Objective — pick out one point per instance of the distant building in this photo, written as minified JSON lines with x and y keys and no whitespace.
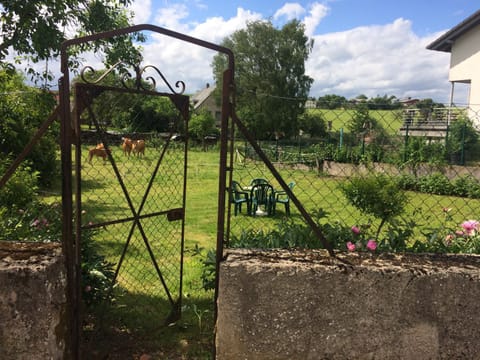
{"x":463,"y":43}
{"x":310,"y":104}
{"x":205,"y":100}
{"x":408,"y":102}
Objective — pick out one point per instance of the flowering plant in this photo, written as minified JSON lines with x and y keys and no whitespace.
{"x":360,"y":241}
{"x":466,"y":240}
{"x":452,"y":237}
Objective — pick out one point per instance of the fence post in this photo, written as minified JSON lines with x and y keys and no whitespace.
{"x":405,"y":147}
{"x":462,"y":154}
{"x":447,"y":145}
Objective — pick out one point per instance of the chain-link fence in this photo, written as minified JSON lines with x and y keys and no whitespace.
{"x":431,"y":155}
{"x":131,"y":194}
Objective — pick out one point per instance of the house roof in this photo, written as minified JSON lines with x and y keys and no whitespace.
{"x":199,"y":97}
{"x":445,"y":42}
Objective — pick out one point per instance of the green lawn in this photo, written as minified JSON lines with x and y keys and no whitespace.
{"x":391,"y":120}
{"x":103,"y":199}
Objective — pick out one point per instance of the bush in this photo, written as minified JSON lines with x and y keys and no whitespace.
{"x":97,"y":273}
{"x":22,"y":110}
{"x":21,"y":189}
{"x":33,"y":222}
{"x":435,"y":183}
{"x":408,"y":182}
{"x":467,"y":186}
{"x":376,"y":195}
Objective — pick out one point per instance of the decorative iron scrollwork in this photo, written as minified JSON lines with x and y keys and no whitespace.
{"x":139,"y":81}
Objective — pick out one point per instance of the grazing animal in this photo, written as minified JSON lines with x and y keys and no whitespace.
{"x":99,"y":151}
{"x":127,"y":145}
{"x":138,"y":147}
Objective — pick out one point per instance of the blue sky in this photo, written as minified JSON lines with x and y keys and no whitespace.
{"x":426,"y":16}
{"x":370,"y":47}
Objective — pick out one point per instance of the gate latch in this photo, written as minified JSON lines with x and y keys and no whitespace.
{"x":175,"y":214}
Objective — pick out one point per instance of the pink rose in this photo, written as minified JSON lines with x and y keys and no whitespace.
{"x":355,"y":230}
{"x":470,"y":226}
{"x":449,"y":237}
{"x":350,"y":246}
{"x":371,"y":245}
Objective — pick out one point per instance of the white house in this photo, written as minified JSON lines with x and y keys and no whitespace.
{"x":205,"y":100}
{"x":463,"y":43}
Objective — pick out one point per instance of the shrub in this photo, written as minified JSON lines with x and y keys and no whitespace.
{"x":34,"y":222}
{"x":42,"y":222}
{"x":97,"y":273}
{"x":466,"y":186}
{"x":435,"y":183}
{"x":407,"y":182}
{"x":376,"y":195}
{"x":21,"y":189}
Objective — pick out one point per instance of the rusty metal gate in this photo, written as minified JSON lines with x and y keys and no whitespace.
{"x":142,"y":237}
{"x":146,"y":230}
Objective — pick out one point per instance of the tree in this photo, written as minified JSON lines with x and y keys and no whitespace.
{"x":376,"y":195}
{"x":135,"y":112}
{"x":35,"y":29}
{"x":313,"y":123}
{"x":270,"y":75}
{"x":22,"y":110}
{"x":462,"y":139}
{"x":331,"y":101}
{"x":202,"y":125}
{"x":361,"y":120}
{"x":384,"y":103}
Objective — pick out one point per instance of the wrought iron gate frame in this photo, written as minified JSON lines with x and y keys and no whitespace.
{"x":85,"y":93}
{"x":69,"y":135}
{"x":229,"y":121}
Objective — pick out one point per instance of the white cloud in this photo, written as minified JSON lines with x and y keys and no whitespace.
{"x":289,"y":11}
{"x":171,"y":17}
{"x":142,"y":10}
{"x":187,"y":62}
{"x":217,"y":28}
{"x":378,"y":60}
{"x":316,"y":13}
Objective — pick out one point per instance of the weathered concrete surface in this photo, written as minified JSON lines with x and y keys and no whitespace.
{"x":32,"y":301}
{"x":306,"y":305}
{"x":347,"y":170}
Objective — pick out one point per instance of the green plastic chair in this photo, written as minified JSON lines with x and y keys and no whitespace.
{"x":258,"y":181}
{"x":282,"y":198}
{"x":238,"y":197}
{"x":262,"y":195}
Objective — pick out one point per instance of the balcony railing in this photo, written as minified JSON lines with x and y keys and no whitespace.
{"x":429,"y":122}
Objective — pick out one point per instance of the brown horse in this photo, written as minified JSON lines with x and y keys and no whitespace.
{"x":99,"y":151}
{"x":138,"y":147}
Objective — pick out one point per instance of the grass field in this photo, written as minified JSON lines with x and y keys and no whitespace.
{"x":138,"y":314}
{"x":390,"y":120}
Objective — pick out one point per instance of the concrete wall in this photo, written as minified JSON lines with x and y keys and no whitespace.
{"x":32,"y":301}
{"x":347,"y":170}
{"x":295,"y":305}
